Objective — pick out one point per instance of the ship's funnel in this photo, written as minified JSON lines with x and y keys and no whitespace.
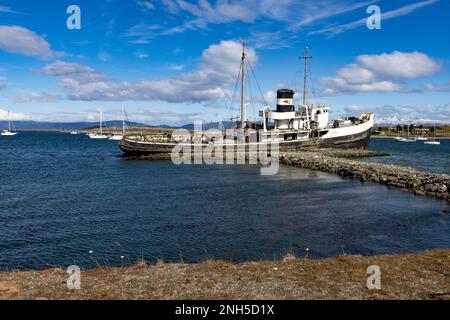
{"x":285,"y":100}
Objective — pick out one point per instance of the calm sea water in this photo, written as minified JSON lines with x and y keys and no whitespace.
{"x":64,"y":195}
{"x":434,"y":158}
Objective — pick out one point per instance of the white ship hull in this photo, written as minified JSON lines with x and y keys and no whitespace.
{"x":98,"y":136}
{"x":8,"y":133}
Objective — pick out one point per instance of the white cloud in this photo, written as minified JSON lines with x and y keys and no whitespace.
{"x":295,"y":13}
{"x":141,"y":55}
{"x":153,"y":116}
{"x":170,"y":6}
{"x":291,"y":14}
{"x":143,"y":33}
{"x":336,"y":29}
{"x":148,"y":5}
{"x":269,"y":97}
{"x":6,"y":9}
{"x":103,"y":55}
{"x":216,"y":72}
{"x":336,"y":85}
{"x":427,"y":113}
{"x":354,"y":109}
{"x":437,"y":87}
{"x":270,"y":40}
{"x":380,"y":73}
{"x":176,"y":67}
{"x":13,"y":115}
{"x":16,"y":39}
{"x":37,"y":97}
{"x":73,"y":72}
{"x":320,"y":10}
{"x":400,"y":64}
{"x":405,"y":114}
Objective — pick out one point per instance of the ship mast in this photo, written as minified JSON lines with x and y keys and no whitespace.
{"x":243,"y":110}
{"x":101,"y":121}
{"x":305,"y":77}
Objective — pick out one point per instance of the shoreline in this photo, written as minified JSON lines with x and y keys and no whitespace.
{"x":422,"y":275}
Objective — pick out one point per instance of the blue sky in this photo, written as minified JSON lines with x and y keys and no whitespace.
{"x":174,"y":61}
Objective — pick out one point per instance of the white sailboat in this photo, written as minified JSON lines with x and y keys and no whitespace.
{"x":433,"y":142}
{"x":398,"y":137}
{"x":119,"y":136}
{"x":96,"y":135}
{"x":11,"y":130}
{"x":406,"y":139}
{"x":421,"y":138}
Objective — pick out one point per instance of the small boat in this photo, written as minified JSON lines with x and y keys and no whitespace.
{"x":421,"y":139}
{"x":99,"y":135}
{"x":406,"y":140}
{"x":433,"y":142}
{"x":74,"y":132}
{"x":119,"y":136}
{"x":8,"y":133}
{"x":116,"y":137}
{"x":11,"y":130}
{"x":398,"y":137}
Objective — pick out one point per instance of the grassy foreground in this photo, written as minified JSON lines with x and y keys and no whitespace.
{"x":424,"y":275}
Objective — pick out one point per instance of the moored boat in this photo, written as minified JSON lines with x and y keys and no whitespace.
{"x":119,"y":136}
{"x":434,"y":141}
{"x":99,"y":135}
{"x":406,"y":140}
{"x":11,"y":129}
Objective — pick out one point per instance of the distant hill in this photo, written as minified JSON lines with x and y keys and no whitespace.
{"x":37,"y":125}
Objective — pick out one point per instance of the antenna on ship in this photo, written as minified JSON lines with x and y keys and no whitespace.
{"x":305,"y":77}
{"x":243,"y":109}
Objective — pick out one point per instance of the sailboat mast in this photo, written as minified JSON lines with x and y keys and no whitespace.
{"x":9,"y":122}
{"x":243,"y":64}
{"x":305,"y":76}
{"x":101,"y":121}
{"x":123,"y":120}
{"x":434,"y":130}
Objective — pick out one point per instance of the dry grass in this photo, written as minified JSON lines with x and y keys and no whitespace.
{"x":411,"y":276}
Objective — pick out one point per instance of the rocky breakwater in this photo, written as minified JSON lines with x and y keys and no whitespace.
{"x":403,"y":178}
